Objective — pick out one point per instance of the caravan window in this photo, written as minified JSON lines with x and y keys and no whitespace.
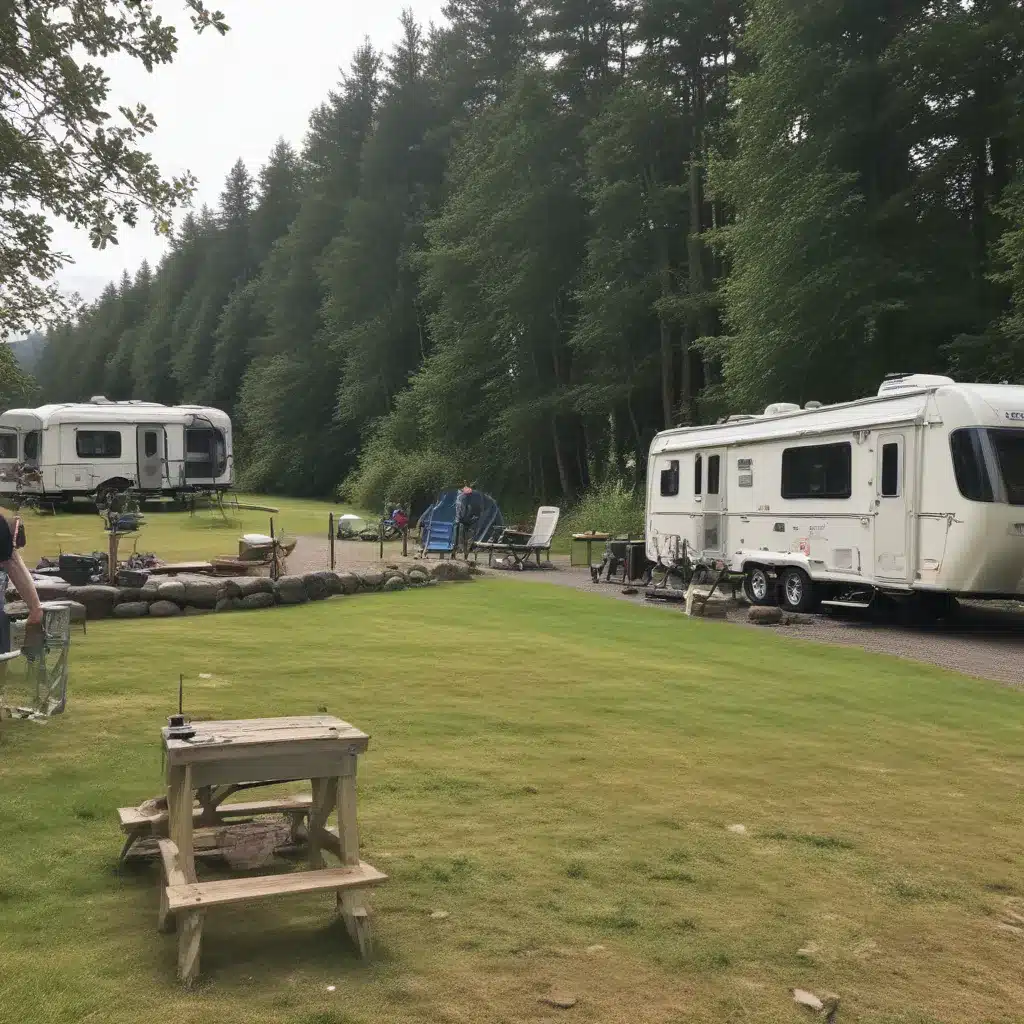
{"x":984,"y":459}
{"x":1009,"y":446}
{"x":8,"y":446}
{"x":98,"y":444}
{"x":817,"y":471}
{"x":149,"y":443}
{"x":698,"y":472}
{"x":714,"y":468}
{"x":32,"y":439}
{"x":891,"y":470}
{"x":670,"y":480}
{"x":205,"y":453}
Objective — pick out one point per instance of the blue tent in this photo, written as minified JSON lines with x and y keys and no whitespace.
{"x":437,"y":524}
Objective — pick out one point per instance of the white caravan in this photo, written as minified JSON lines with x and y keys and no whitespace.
{"x":95,"y":447}
{"x":918,"y":490}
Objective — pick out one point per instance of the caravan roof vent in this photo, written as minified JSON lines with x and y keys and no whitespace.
{"x":812,"y":405}
{"x":781,"y":408}
{"x":736,"y":417}
{"x":895,"y":383}
{"x":100,"y":400}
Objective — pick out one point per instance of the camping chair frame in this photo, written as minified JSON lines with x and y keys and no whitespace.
{"x":518,"y":546}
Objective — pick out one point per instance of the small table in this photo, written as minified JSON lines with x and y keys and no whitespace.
{"x":224,"y":756}
{"x":588,"y":539}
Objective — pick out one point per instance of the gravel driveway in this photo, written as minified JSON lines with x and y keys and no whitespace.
{"x":985,"y":642}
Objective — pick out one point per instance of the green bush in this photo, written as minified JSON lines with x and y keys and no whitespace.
{"x":608,"y":508}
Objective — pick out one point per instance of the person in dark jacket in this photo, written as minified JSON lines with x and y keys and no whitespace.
{"x":469,"y":506}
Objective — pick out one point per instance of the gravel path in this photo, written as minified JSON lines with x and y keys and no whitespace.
{"x":984,"y":642}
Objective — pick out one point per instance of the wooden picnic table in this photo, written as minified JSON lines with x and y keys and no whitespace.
{"x":588,"y":539}
{"x":223,"y":757}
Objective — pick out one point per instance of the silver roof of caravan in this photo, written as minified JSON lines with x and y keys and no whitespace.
{"x":102,"y":411}
{"x":898,"y":402}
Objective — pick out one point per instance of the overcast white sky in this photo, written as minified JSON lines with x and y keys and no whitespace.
{"x":232,"y":96}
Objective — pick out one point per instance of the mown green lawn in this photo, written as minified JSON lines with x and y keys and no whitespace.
{"x":177,"y":536}
{"x":559,"y":772}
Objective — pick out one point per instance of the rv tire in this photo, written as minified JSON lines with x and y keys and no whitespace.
{"x":757,"y":585}
{"x":796,"y":591}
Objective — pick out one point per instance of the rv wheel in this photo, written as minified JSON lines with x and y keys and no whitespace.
{"x":796,"y":591}
{"x":758,"y":587}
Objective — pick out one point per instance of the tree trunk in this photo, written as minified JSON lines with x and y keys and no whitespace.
{"x":563,"y":470}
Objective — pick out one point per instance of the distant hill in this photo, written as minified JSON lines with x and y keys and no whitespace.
{"x":28,"y":350}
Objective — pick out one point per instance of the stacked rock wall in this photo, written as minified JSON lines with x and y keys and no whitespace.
{"x":166,"y":596}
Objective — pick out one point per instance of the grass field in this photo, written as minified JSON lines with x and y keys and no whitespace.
{"x":177,"y":536}
{"x":559,"y":773}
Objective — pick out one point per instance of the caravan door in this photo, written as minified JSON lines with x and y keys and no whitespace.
{"x":892,"y":518}
{"x":152,"y":442}
{"x":713,"y":504}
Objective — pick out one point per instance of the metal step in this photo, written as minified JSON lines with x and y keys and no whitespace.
{"x":846,"y":604}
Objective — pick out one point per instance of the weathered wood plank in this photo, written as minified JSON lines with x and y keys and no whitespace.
{"x":132,"y":819}
{"x":240,"y":890}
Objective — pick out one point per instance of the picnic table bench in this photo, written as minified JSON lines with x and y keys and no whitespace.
{"x":219,"y":760}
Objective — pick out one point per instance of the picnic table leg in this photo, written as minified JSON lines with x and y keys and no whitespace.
{"x":320,"y":809}
{"x":179,"y":821}
{"x":350,"y":903}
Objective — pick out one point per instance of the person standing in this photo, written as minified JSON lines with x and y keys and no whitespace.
{"x":12,"y":567}
{"x":468,"y":509}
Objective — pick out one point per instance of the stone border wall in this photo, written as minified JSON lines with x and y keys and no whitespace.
{"x":168,"y":596}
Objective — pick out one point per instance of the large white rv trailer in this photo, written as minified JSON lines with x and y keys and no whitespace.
{"x":918,"y":490}
{"x":95,"y":447}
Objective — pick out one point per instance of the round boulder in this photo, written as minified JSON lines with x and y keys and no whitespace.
{"x":453,"y":570}
{"x":229,"y":604}
{"x":371,"y":580}
{"x":333,"y":583}
{"x":316,"y":586}
{"x":349,"y":582}
{"x":131,"y":610}
{"x":99,"y":600}
{"x":164,"y":609}
{"x":52,"y":590}
{"x":256,"y":601}
{"x":171,"y":590}
{"x":291,"y":590}
{"x":254,"y":585}
{"x":394,"y":583}
{"x":764,"y":615}
{"x":202,"y":593}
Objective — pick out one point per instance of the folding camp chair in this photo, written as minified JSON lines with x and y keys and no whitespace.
{"x":439,"y":538}
{"x":518,"y":546}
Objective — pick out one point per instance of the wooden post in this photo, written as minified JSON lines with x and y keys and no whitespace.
{"x":350,"y":902}
{"x":273,"y":551}
{"x":330,"y":537}
{"x":380,"y":534}
{"x":405,"y":541}
{"x":112,"y":557}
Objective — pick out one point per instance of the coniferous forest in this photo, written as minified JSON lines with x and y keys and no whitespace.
{"x":521,"y":242}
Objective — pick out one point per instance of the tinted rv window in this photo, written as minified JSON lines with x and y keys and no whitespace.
{"x":698,"y":471}
{"x":972,"y":477}
{"x":817,"y":471}
{"x":32,"y":439}
{"x":8,"y":446}
{"x":98,"y":444}
{"x":714,"y":464}
{"x":890,"y":470}
{"x":670,"y":479}
{"x":1009,"y":448}
{"x":150,"y":444}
